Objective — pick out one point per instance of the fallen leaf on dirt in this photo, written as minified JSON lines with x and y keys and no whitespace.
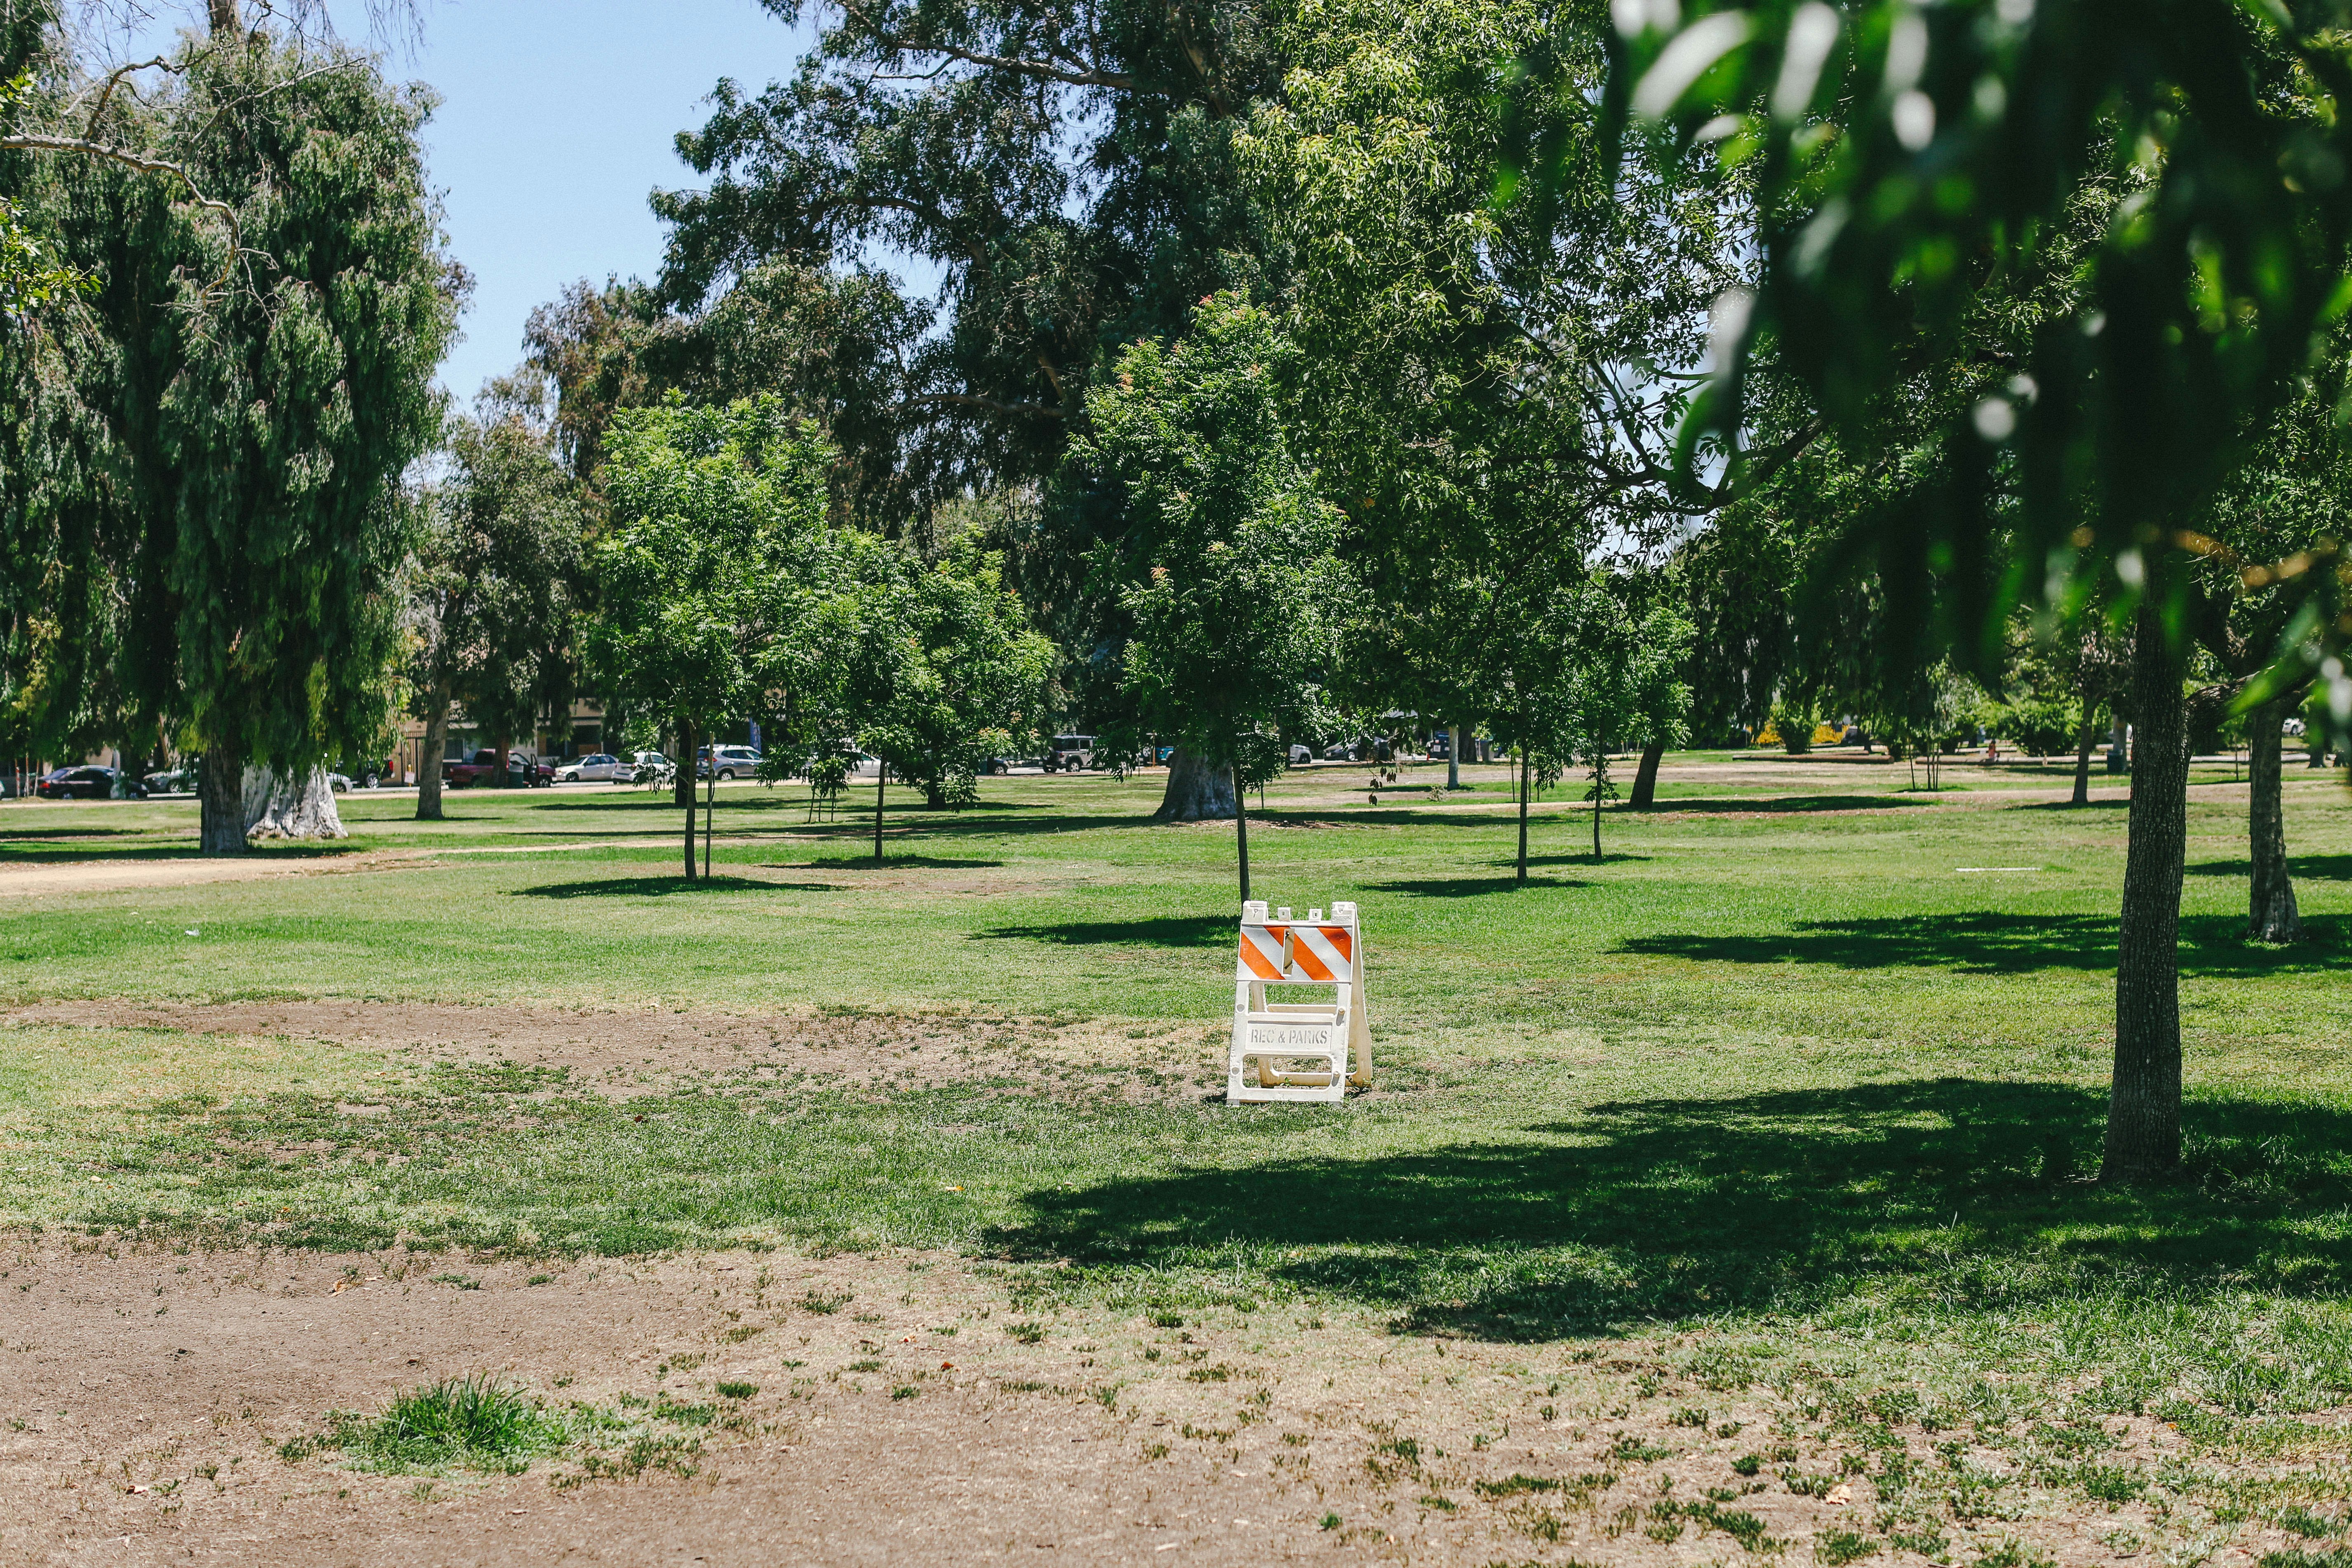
{"x":1839,"y":1495}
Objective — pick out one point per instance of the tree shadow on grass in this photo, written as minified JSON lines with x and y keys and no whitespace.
{"x":867,"y":864}
{"x":1473,"y":887}
{"x":1783,"y":805}
{"x":1984,"y":943}
{"x":1664,"y":1207}
{"x":2109,"y":805}
{"x":2318,"y":867}
{"x":1164,"y":930}
{"x":664,"y":887}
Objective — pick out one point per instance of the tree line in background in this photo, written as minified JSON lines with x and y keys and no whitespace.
{"x":1599,"y":377}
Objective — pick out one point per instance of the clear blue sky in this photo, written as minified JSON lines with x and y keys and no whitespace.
{"x":556,"y":120}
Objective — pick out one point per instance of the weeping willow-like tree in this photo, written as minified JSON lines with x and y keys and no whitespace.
{"x":238,"y":389}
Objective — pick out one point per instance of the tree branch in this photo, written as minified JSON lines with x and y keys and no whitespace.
{"x":25,"y":142}
{"x":1042,"y":70}
{"x":988,"y":405}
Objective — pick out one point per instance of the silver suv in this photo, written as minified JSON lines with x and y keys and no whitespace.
{"x":732,"y":763}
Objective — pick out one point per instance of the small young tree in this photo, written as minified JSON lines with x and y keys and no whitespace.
{"x":491,"y":585}
{"x":1600,"y":682}
{"x":943,"y":672}
{"x":717,"y":552}
{"x":1227,"y":568}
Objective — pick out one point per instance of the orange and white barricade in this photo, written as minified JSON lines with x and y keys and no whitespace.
{"x":1286,"y":1050}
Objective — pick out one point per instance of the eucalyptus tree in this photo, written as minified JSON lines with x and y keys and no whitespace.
{"x":1068,"y":168}
{"x":247,"y":379}
{"x":1227,"y":564}
{"x":834,"y":344}
{"x":1910,"y":159}
{"x":493,"y":583}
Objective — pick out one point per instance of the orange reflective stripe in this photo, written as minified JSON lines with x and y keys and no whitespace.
{"x":1256,"y":959}
{"x":1304,"y":959}
{"x":1338,"y":938}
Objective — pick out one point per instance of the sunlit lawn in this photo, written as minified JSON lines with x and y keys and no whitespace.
{"x":1806,"y":1060}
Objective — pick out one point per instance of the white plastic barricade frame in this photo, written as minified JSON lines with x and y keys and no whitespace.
{"x":1299,"y":1050}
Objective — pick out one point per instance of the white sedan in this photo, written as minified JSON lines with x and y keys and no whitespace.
{"x":598,"y":769}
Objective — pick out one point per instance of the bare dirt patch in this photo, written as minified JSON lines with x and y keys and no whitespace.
{"x":902,"y":1409}
{"x":623,"y":1054}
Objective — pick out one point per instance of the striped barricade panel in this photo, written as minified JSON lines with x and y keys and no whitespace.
{"x":1323,"y":953}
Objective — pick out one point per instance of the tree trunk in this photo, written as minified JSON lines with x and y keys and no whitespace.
{"x":710,"y":810}
{"x":1597,"y":781}
{"x":225,"y":20}
{"x":220,"y":794}
{"x":684,"y":785}
{"x":428,"y":766}
{"x":2272,"y":916}
{"x":1241,"y":830}
{"x":1196,"y":792}
{"x":1453,"y":758}
{"x":504,"y":777}
{"x":2144,"y":1104}
{"x":2083,"y":759}
{"x":1523,"y":814}
{"x":278,"y":805}
{"x":881,"y":779}
{"x":1646,"y":777}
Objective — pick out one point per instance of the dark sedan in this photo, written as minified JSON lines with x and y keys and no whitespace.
{"x":87,"y":783}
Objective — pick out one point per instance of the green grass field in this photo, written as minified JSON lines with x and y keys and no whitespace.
{"x":1807,"y":1060}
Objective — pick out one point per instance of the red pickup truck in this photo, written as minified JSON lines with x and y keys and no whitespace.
{"x":523,"y":771}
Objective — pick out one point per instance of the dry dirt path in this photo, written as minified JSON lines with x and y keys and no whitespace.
{"x":145,"y":1397}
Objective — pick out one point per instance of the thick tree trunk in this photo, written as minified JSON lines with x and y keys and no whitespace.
{"x":2271,"y":914}
{"x":224,"y":16}
{"x":1241,"y":831}
{"x":1646,"y":777}
{"x":685,"y":788}
{"x":2144,"y":1104}
{"x":428,"y":764}
{"x":2090,"y":737}
{"x":504,"y":777}
{"x":280,"y":805}
{"x":220,"y":796}
{"x":1197,"y":790}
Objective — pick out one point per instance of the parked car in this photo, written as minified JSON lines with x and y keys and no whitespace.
{"x":600,"y":768}
{"x":1070,"y":754}
{"x":1440,"y":745}
{"x":732,"y":762}
{"x":339,"y":783}
{"x":91,"y":783}
{"x":524,"y":770}
{"x":1301,"y":755}
{"x":650,"y":767}
{"x":180,"y":780}
{"x":1163,"y":756}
